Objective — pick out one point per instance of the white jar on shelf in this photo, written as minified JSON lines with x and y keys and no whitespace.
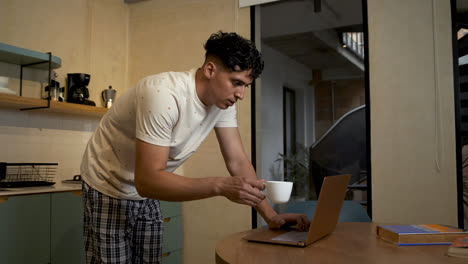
{"x":4,"y":85}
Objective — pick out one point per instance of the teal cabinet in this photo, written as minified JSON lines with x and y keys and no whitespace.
{"x":48,"y":229}
{"x":170,"y":209}
{"x":174,"y":257}
{"x":25,"y":229}
{"x":67,"y":244}
{"x":42,"y":229}
{"x":172,"y":236}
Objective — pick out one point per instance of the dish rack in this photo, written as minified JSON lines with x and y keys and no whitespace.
{"x":13,"y":175}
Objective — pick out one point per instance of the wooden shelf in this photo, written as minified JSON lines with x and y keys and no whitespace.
{"x":16,"y":55}
{"x":20,"y":56}
{"x":20,"y":102}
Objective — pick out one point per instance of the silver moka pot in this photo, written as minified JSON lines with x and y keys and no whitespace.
{"x":108,"y":96}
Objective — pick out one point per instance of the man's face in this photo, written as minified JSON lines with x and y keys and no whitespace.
{"x":229,"y":86}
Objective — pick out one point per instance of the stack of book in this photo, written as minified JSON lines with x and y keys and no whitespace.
{"x":404,"y":235}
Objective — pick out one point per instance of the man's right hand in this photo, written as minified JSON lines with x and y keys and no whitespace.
{"x":242,"y":190}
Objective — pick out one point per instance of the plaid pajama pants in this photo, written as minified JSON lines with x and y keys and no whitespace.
{"x":121,"y":231}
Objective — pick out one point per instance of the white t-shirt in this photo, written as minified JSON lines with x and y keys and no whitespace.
{"x":161,"y":109}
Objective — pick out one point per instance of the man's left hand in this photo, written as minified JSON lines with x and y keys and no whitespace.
{"x":299,"y":220}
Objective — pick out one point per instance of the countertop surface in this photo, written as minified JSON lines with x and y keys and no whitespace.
{"x":57,"y":187}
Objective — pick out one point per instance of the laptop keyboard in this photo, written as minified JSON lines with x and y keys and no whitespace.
{"x":292,"y":236}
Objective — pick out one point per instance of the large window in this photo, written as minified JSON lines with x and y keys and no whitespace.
{"x":320,"y":58}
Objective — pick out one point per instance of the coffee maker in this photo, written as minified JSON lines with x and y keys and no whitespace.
{"x":78,"y":92}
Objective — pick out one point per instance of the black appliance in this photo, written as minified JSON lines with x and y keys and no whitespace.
{"x":77,"y":90}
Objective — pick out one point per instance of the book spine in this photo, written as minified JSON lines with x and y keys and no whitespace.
{"x":423,"y":244}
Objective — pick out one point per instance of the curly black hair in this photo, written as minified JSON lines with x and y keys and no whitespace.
{"x":236,"y":52}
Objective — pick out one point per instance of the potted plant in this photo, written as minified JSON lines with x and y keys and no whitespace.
{"x":293,"y":167}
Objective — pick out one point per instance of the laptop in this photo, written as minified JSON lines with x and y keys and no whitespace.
{"x":323,"y":223}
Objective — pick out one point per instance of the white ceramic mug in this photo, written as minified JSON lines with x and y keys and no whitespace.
{"x":278,"y":192}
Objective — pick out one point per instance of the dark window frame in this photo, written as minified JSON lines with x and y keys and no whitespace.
{"x":291,"y":119}
{"x":365,"y":22}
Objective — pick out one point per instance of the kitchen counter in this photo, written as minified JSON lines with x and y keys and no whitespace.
{"x":57,"y":187}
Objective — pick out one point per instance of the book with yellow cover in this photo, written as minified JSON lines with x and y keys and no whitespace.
{"x":431,"y":234}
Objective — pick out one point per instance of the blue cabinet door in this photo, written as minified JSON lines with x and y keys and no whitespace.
{"x":25,"y":229}
{"x":174,"y":257}
{"x":172,"y":236}
{"x":170,"y":209}
{"x":67,"y":244}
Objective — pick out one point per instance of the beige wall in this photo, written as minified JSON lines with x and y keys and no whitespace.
{"x":90,"y":37}
{"x":412,"y":112}
{"x":118,"y":44}
{"x":412,"y":129}
{"x":169,"y":36}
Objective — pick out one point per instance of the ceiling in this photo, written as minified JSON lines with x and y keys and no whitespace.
{"x":292,"y":28}
{"x":296,"y":30}
{"x":308,"y":49}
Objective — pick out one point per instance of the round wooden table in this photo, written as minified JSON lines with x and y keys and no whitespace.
{"x":349,"y":243}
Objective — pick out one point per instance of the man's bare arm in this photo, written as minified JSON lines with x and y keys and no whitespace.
{"x":238,"y":163}
{"x":239,"y":166}
{"x":152,"y":181}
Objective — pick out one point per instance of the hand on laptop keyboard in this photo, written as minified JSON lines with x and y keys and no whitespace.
{"x":298,"y":221}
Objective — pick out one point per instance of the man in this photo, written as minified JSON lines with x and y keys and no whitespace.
{"x":149,"y":132}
